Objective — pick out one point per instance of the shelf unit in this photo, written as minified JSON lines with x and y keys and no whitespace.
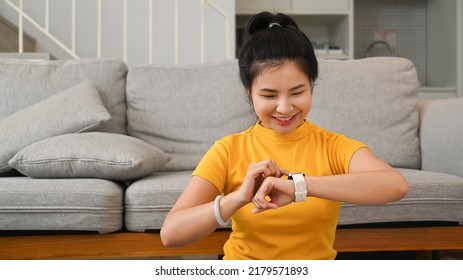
{"x":328,"y":24}
{"x":444,"y":29}
{"x":428,"y":32}
{"x":438,"y":54}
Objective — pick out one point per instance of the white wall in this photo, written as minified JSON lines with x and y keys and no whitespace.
{"x":176,"y":32}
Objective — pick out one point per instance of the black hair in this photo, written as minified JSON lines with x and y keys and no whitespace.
{"x":275,"y":39}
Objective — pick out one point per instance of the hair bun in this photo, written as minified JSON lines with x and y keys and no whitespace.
{"x":262,"y":21}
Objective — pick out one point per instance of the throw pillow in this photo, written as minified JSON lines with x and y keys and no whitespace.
{"x":90,"y":155}
{"x":73,"y":110}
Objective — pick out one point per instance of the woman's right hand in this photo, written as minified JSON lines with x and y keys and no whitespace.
{"x":257,"y":172}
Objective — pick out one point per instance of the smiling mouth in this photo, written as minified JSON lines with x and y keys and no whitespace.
{"x":285,"y":120}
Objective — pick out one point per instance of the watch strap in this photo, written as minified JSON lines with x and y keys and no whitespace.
{"x":300,"y":187}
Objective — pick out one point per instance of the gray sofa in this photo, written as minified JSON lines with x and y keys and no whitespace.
{"x":92,"y":150}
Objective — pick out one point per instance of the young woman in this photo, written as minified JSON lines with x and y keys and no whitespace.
{"x":282,"y":180}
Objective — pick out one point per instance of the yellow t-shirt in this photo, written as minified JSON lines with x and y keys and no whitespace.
{"x":303,"y":230}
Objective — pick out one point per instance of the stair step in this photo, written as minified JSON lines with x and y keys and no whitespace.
{"x":29,"y":55}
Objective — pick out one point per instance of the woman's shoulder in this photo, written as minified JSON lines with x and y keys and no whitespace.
{"x":238,"y":136}
{"x":334,"y":137}
{"x":321,"y":130}
{"x":327,"y":134}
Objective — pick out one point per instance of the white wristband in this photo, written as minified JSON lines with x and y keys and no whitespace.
{"x":218,"y":216}
{"x":300,"y":187}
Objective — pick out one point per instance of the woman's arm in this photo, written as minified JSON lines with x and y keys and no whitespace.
{"x":192,"y":217}
{"x":369,"y":181}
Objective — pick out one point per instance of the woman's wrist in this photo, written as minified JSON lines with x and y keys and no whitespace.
{"x":228,"y":205}
{"x":308,"y":185}
{"x":237,"y":199}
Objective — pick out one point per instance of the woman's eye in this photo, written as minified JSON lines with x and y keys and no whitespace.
{"x":268,"y":96}
{"x":297,"y":93}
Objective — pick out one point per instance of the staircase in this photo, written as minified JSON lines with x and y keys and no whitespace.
{"x":138,"y":32}
{"x":9,"y":43}
{"x":9,"y":38}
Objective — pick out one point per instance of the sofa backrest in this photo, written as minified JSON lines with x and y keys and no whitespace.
{"x":374,"y":100}
{"x":182,"y":110}
{"x":23,"y":83}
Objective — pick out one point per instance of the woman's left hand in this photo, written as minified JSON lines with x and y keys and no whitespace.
{"x":280,"y":191}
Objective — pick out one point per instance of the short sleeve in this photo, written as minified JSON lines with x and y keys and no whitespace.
{"x":341,"y":150}
{"x":214,"y":166}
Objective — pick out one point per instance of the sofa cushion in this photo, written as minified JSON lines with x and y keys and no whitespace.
{"x":23,"y":83}
{"x":90,"y":155}
{"x":441,"y":134}
{"x":149,"y":200}
{"x":373,"y":100}
{"x":60,"y":204}
{"x":183,"y":110}
{"x":431,"y":197}
{"x":76,"y":109}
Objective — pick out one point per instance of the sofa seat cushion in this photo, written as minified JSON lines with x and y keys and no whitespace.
{"x":149,"y":200}
{"x":432,"y":197}
{"x":182,"y":110}
{"x":60,"y":204}
{"x":24,"y":82}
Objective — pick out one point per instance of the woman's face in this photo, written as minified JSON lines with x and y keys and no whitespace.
{"x":282,"y":97}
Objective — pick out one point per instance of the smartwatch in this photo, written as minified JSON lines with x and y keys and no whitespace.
{"x":300,"y":187}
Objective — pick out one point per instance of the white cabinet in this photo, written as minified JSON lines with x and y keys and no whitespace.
{"x":253,"y":6}
{"x":328,"y":24}
{"x":317,"y":5}
{"x":293,"y":6}
{"x":428,"y":32}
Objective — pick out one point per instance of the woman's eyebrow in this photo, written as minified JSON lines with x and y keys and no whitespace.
{"x":268,"y":90}
{"x":274,"y":90}
{"x":297,"y":87}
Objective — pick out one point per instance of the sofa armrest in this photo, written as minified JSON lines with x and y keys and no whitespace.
{"x":441,"y":135}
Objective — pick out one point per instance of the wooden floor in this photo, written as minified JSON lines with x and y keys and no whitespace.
{"x":123,"y":245}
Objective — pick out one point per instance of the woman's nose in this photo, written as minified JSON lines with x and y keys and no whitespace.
{"x":284,"y":106}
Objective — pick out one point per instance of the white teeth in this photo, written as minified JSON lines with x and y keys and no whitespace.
{"x":284,"y":119}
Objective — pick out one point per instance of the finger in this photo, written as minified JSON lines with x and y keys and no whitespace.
{"x":276,"y":171}
{"x":264,"y":190}
{"x":269,"y":207}
{"x":259,"y":204}
{"x":268,"y":168}
{"x":260,"y":169}
{"x":283,"y":172}
{"x":259,"y":198}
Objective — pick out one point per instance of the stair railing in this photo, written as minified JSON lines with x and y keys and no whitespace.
{"x":22,"y":15}
{"x":71,"y":50}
